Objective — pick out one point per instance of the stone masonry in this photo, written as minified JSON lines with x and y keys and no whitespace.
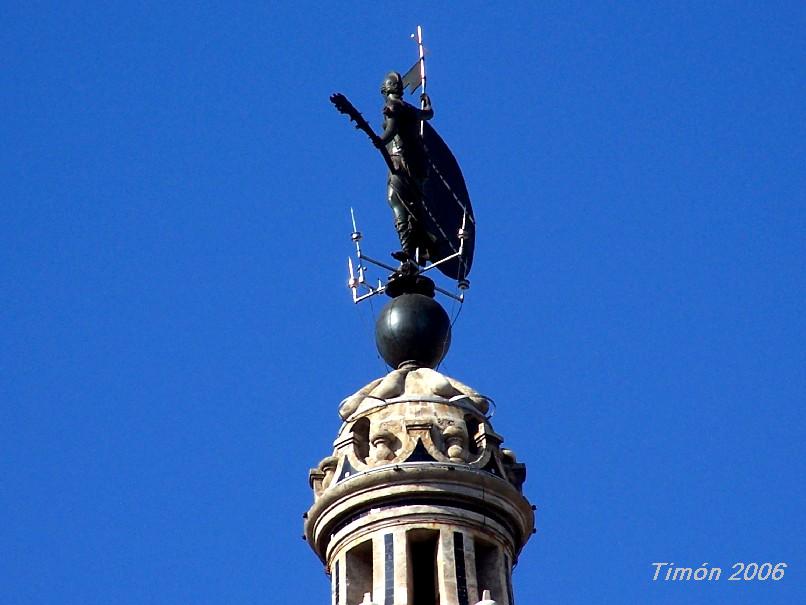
{"x":418,"y":504}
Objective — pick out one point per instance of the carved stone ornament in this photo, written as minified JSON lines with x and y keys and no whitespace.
{"x":412,"y":383}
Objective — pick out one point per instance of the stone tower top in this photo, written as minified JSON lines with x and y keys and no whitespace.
{"x":413,"y":384}
{"x":418,"y":503}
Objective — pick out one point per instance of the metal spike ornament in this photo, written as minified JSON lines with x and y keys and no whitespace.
{"x":433,"y":219}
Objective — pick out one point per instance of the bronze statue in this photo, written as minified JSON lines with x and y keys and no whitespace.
{"x":426,"y":191}
{"x":409,"y":167}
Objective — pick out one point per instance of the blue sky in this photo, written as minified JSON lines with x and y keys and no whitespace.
{"x":177,"y":333}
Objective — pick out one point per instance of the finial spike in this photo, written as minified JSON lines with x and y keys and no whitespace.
{"x":485,"y":599}
{"x":352,"y":216}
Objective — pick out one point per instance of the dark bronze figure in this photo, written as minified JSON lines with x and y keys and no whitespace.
{"x":426,"y":191}
{"x":409,"y":167}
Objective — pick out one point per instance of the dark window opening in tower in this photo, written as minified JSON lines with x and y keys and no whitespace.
{"x":472,"y":430}
{"x":359,"y":572}
{"x":423,"y":583}
{"x":488,"y":569}
{"x":361,"y":439}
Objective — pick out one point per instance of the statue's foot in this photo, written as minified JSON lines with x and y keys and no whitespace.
{"x":406,"y":271}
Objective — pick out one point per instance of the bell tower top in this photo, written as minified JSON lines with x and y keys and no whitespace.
{"x":418,"y":504}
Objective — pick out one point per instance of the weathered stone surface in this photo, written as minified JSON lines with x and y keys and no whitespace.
{"x":417,"y":468}
{"x":404,"y":383}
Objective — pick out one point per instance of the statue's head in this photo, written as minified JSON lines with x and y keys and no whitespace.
{"x":392,"y":84}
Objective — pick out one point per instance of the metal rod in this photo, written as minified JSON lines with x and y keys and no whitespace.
{"x":370,"y":294}
{"x":440,"y":261}
{"x":377,"y":262}
{"x":459,"y":298}
{"x":462,"y":237}
{"x":422,"y":68}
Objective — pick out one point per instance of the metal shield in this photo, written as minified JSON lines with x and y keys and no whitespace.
{"x":447,"y":207}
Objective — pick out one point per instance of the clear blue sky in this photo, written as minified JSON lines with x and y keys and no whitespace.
{"x":177,"y":334}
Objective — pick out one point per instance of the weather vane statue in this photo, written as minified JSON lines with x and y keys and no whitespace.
{"x":409,"y":167}
{"x":417,"y":481}
{"x":426,"y":191}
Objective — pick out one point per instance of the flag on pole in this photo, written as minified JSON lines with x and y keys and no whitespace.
{"x":413,"y":78}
